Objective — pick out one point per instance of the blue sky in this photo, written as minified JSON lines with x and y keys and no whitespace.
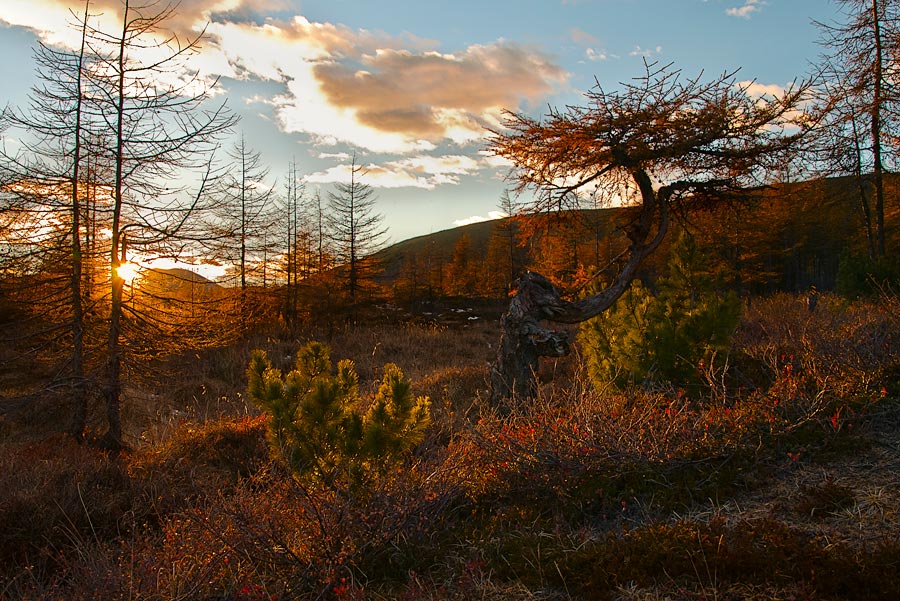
{"x":410,"y":87}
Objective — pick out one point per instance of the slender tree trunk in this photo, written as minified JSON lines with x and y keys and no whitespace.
{"x":320,"y":227}
{"x":353,"y":258}
{"x":861,"y":190}
{"x":877,"y":101}
{"x":113,"y":438}
{"x":295,"y":263}
{"x":243,"y":299}
{"x":79,"y":394}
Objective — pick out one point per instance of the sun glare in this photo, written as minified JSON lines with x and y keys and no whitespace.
{"x":128,"y":271}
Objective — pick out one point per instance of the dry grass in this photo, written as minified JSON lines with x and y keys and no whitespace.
{"x":779,"y":481}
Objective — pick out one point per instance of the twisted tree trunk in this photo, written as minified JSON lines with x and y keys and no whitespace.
{"x":524,"y":340}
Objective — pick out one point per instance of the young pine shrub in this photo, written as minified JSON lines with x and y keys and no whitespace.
{"x":318,"y":424}
{"x":666,"y":338}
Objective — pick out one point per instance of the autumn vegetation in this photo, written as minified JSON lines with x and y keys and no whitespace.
{"x":776,"y":477}
{"x":715,"y":416}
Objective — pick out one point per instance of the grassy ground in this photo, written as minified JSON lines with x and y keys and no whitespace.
{"x":776,"y":480}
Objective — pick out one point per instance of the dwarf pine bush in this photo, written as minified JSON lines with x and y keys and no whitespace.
{"x":663,"y":337}
{"x":319,"y":425}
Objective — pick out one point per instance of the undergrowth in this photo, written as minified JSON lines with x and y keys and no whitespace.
{"x":776,"y":479}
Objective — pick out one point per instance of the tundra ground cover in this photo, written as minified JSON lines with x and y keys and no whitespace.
{"x":778,"y":479}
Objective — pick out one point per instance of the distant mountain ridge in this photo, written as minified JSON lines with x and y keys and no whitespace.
{"x":177,"y":281}
{"x":787,"y":236}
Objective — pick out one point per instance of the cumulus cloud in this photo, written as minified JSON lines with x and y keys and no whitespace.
{"x":768,"y":92}
{"x":425,"y":172}
{"x":341,"y":85}
{"x":589,"y":43}
{"x":747,"y":9}
{"x":57,"y":23}
{"x":761,"y":90}
{"x":380,"y":93}
{"x":51,"y":19}
{"x":428,"y":97}
{"x":596,"y":55}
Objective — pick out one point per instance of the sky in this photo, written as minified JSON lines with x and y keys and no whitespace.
{"x":412,"y":88}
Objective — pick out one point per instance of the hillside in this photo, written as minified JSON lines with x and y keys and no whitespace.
{"x":438,"y":244}
{"x":783,"y":238}
{"x":177,"y":282}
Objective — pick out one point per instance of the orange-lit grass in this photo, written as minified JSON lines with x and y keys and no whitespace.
{"x":577,"y":493}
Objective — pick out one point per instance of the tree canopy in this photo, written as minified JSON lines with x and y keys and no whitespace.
{"x":653,"y":144}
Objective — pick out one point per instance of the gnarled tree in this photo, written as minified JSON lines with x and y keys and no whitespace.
{"x":655,"y":144}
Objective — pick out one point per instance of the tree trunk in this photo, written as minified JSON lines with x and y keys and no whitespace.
{"x":113,"y":437}
{"x":524,"y":341}
{"x":79,"y":394}
{"x":877,"y":101}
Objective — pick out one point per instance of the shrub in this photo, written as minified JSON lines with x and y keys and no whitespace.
{"x":860,"y":275}
{"x":667,"y":337}
{"x":318,"y":425}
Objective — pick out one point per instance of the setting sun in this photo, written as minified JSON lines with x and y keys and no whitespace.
{"x":128,"y":271}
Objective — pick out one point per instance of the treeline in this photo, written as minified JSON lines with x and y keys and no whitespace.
{"x":783,"y":238}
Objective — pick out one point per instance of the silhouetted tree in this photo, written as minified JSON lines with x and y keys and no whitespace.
{"x":246,"y":210}
{"x":354,"y":230}
{"x":659,"y":142}
{"x":293,"y":195}
{"x":45,"y":186}
{"x":861,"y":78}
{"x":157,"y":131}
{"x":245,"y":216}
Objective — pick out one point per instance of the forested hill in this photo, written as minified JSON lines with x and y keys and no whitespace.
{"x":785,"y":237}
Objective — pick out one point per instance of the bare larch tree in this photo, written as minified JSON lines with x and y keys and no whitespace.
{"x":355,"y":230}
{"x":862,"y":81}
{"x":162,"y":127}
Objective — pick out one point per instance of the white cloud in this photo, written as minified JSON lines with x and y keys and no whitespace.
{"x":479,"y":219}
{"x":747,"y":9}
{"x":596,"y":55}
{"x":427,"y":97}
{"x":759,"y":90}
{"x":425,"y":172}
{"x":57,"y":23}
{"x":645,"y":52}
{"x":383,"y":93}
{"x":339,"y":156}
{"x":589,"y":42}
{"x":765,"y":93}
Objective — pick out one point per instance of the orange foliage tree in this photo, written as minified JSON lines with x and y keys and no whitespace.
{"x":659,"y":143}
